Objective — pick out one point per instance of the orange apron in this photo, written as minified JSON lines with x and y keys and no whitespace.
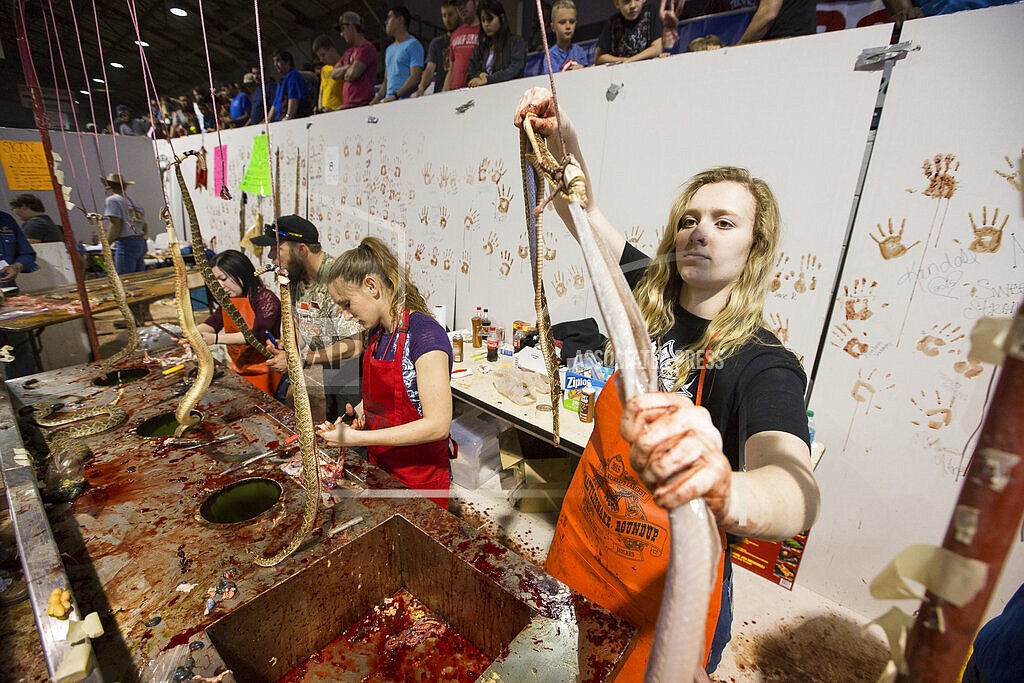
{"x":245,"y":360}
{"x":611,"y":542}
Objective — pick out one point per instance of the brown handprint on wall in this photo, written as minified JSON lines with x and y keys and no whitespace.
{"x":939,"y":172}
{"x":857,"y":303}
{"x":936,"y":415}
{"x":471,"y":219}
{"x":465,"y":262}
{"x":634,"y":236}
{"x":988,"y":238}
{"x":845,"y":338}
{"x":504,"y":198}
{"x":1012,"y":176}
{"x":969,"y":368}
{"x":780,"y":264}
{"x":891,"y":245}
{"x":779,"y":327}
{"x":576,"y":273}
{"x":498,"y":172}
{"x":808,"y":266}
{"x":443,"y":219}
{"x":506,"y":263}
{"x":559,"y":281}
{"x":490,"y":243}
{"x":938,"y":338}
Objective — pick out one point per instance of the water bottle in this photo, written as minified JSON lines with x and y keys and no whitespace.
{"x":810,"y":424}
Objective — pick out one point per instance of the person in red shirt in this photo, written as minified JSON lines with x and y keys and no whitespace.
{"x":358,"y":65}
{"x":464,"y":40}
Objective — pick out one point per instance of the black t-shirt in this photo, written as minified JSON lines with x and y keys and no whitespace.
{"x":43,"y":229}
{"x":795,"y":18}
{"x":623,"y":38}
{"x":759,"y":388}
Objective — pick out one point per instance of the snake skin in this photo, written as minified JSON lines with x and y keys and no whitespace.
{"x":183,"y":302}
{"x":204,"y":265}
{"x":533,"y":187}
{"x":120,"y":297}
{"x":303,"y":422}
{"x":67,"y":440}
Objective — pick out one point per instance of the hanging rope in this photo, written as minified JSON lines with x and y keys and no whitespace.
{"x":266,"y":122}
{"x":88,"y":81}
{"x":106,"y":89}
{"x":223,"y":189}
{"x":47,"y":19}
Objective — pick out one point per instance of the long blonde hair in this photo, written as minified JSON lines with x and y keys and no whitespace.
{"x":737,"y":323}
{"x":373,"y":257}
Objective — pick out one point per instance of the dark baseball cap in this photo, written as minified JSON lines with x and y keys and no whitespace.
{"x":288,"y":229}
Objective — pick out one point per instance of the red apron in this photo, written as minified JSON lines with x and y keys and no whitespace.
{"x":611,"y":542}
{"x":247,"y":361}
{"x":386,"y":404}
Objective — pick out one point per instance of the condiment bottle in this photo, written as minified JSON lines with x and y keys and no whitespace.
{"x":475,"y":321}
{"x":457,"y":347}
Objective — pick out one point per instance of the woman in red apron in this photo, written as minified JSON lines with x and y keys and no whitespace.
{"x":406,"y":412}
{"x":260,"y":309}
{"x":744,"y":450}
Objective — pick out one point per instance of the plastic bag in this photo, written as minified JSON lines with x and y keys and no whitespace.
{"x":512,"y":383}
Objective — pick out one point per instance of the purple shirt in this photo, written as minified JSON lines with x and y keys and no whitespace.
{"x":425,"y":335}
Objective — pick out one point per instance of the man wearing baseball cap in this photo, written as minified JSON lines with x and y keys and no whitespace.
{"x":127,"y":230}
{"x":329,"y":339}
{"x":358,"y":65}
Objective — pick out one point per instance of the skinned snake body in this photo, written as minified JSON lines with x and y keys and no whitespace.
{"x":533,"y":187}
{"x":678,"y":648}
{"x":204,"y":265}
{"x":120,"y":297}
{"x":183,"y":302}
{"x":304,"y":425}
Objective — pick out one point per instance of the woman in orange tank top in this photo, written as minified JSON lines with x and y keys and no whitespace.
{"x":727,"y":426}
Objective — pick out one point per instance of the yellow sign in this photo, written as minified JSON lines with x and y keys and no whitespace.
{"x":25,"y":165}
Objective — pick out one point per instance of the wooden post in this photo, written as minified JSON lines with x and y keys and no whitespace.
{"x":984,"y":524}
{"x":44,"y":133}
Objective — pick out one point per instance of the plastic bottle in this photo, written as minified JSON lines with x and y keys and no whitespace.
{"x":485,"y":324}
{"x":457,"y":348}
{"x":475,"y":321}
{"x":492,"y":347}
{"x":810,"y":424}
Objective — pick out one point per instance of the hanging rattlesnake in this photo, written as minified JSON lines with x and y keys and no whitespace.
{"x":120,"y":297}
{"x":183,"y":302}
{"x":303,"y":422}
{"x":204,"y":265}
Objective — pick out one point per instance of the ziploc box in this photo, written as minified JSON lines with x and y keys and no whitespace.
{"x":479,"y":460}
{"x":574,"y":384}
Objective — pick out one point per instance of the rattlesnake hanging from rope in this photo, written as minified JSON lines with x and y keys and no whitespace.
{"x":533,"y":190}
{"x":120,"y":297}
{"x":303,"y":422}
{"x":183,"y":302}
{"x":204,"y":265}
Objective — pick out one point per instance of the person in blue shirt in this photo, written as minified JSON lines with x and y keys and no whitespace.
{"x":565,"y":55}
{"x":16,"y":256}
{"x":403,"y":60}
{"x":240,"y":106}
{"x":292,"y":99}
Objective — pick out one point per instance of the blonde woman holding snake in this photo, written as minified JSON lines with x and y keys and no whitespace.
{"x":405,"y":416}
{"x":727,"y":426}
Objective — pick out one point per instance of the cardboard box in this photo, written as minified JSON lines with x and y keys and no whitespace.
{"x":535,"y":485}
{"x":573,"y":384}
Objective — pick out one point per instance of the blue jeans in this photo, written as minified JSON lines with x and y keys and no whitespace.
{"x":723,"y":628}
{"x":130,"y":255}
{"x":24,"y":362}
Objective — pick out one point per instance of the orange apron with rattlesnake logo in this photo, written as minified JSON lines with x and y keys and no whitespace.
{"x":612,"y":541}
{"x":247,"y":361}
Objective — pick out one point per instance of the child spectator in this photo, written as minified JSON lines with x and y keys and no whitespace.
{"x":499,"y":55}
{"x":632,"y":35}
{"x":292,"y":99}
{"x":463,"y":43}
{"x":708,"y":42}
{"x":330,"y":97}
{"x":438,"y":52}
{"x":565,"y":55}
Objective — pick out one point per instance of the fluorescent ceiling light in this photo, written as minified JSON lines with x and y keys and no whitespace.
{"x":142,"y":43}
{"x":117,"y":65}
{"x":97,"y":80}
{"x":85,"y":92}
{"x":178,"y":12}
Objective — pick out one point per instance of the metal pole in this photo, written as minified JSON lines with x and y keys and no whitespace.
{"x":28,"y":67}
{"x":984,"y":524}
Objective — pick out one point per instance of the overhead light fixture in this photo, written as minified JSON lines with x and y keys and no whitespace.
{"x":178,"y":12}
{"x":141,"y":42}
{"x":97,"y":80}
{"x":117,"y":65}
{"x":85,"y":92}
